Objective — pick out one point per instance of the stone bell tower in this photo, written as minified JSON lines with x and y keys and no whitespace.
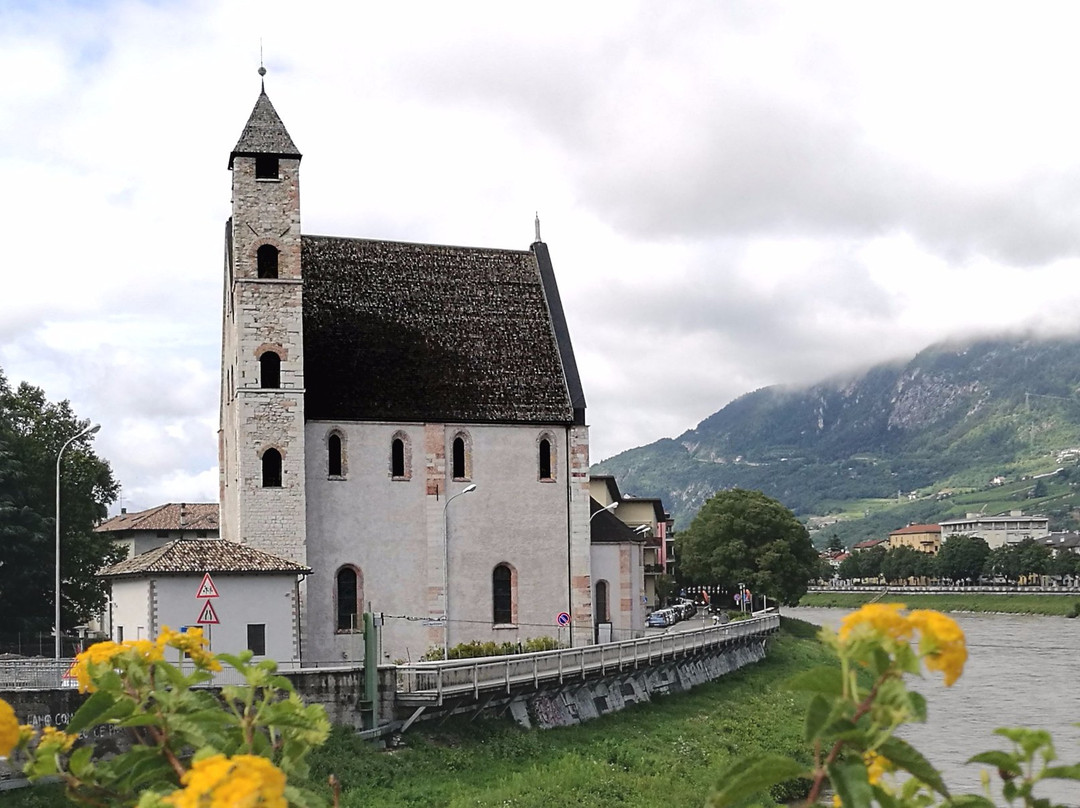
{"x":261,"y":435}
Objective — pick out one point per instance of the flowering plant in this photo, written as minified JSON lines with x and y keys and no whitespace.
{"x":856,"y":708}
{"x":191,"y":748}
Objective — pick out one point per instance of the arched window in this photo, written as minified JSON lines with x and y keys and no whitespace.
{"x":397,"y":458}
{"x":271,"y":469}
{"x":333,"y":452}
{"x":266,"y":260}
{"x":502,"y":594}
{"x":462,"y":467}
{"x":270,"y":370}
{"x":545,"y":459}
{"x":603,"y":614}
{"x":349,"y":594}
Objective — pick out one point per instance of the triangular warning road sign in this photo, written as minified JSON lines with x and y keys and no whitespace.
{"x":207,"y":588}
{"x":208,"y":616}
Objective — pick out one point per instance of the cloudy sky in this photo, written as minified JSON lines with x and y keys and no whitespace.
{"x":734,"y":194}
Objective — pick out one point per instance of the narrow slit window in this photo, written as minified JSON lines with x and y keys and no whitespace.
{"x":502,"y":588}
{"x":333,"y":447}
{"x":459,"y":458}
{"x":271,"y":469}
{"x":602,"y":613}
{"x":397,"y":458}
{"x":270,"y":371}
{"x":266,"y":261}
{"x":545,"y":459}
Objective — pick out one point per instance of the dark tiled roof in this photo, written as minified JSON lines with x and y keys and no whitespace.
{"x":605,"y":528}
{"x":171,"y":516}
{"x":421,"y":332}
{"x":264,"y":133}
{"x":196,"y":556}
{"x":863,"y":545}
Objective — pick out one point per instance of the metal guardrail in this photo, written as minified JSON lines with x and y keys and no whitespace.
{"x":432,"y":682}
{"x":50,"y":674}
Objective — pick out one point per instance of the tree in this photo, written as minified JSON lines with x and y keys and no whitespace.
{"x":835,"y":545}
{"x":32,"y":431}
{"x":962,"y":558}
{"x":742,"y":536}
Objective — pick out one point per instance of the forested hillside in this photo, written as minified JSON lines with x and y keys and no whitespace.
{"x":917,"y":439}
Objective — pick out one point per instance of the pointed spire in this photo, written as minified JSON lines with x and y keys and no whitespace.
{"x":264,"y":133}
{"x":538,"y":239}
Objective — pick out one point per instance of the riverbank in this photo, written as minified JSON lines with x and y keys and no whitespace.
{"x":665,"y":753}
{"x":949,"y":602}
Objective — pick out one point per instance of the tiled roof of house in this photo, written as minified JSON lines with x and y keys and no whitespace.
{"x":197,"y":556}
{"x":422,"y":332}
{"x":916,"y":529}
{"x":866,"y":545}
{"x":264,"y":133}
{"x":170,"y":516}
{"x":606,"y":528}
{"x":1061,"y":541}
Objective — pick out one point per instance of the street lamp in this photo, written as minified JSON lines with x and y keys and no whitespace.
{"x":90,"y":430}
{"x":610,"y":507}
{"x":446,"y":570}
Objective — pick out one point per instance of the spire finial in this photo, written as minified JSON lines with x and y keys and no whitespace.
{"x":262,"y":68}
{"x":538,"y":226}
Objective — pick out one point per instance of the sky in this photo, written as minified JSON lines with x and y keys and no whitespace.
{"x":735,"y":194}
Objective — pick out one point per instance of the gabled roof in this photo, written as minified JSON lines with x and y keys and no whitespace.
{"x":264,"y":133}
{"x":866,"y":545}
{"x":198,"y":556}
{"x":916,"y":529}
{"x":170,"y":516}
{"x":422,"y":332}
{"x":605,"y":528}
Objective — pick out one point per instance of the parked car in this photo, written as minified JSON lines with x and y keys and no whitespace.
{"x":661,"y":618}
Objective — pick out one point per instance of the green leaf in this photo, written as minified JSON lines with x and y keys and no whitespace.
{"x":999,"y":760}
{"x":300,"y":798}
{"x":1062,"y":772}
{"x":918,"y":706}
{"x":849,"y":780}
{"x":970,"y":801}
{"x":747,"y":777}
{"x":911,"y":760}
{"x":825,"y":680}
{"x":87,"y":715}
{"x":816,"y":716}
{"x":79,"y":763}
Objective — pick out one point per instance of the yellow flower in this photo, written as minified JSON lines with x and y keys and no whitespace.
{"x":98,"y":653}
{"x":192,"y":643}
{"x":244,"y":781}
{"x":879,"y":618}
{"x":9,"y":729}
{"x":53,"y":737}
{"x":876,"y":766}
{"x":836,"y":801}
{"x":941,"y":643}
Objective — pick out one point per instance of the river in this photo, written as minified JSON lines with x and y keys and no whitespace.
{"x":1022,"y":671}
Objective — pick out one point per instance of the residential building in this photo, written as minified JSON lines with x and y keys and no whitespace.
{"x":618,"y":575}
{"x":147,"y":530}
{"x":869,"y":544}
{"x":244,"y":599}
{"x":367,"y":386}
{"x":924,"y":538}
{"x":996,"y":531}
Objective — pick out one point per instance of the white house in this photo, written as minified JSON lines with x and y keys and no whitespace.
{"x":243,"y":598}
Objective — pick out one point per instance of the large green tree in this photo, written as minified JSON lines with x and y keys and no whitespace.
{"x":962,"y":558}
{"x":32,"y":431}
{"x":742,"y":536}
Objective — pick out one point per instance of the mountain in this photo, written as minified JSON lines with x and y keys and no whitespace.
{"x":947,"y":422}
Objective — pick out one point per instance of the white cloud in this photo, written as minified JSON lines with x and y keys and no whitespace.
{"x":734,"y":194}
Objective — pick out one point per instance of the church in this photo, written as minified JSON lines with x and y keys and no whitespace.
{"x":406,"y":420}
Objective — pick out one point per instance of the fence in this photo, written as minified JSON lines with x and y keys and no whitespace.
{"x":432,"y":682}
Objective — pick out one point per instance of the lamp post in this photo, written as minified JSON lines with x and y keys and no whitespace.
{"x":446,"y":570}
{"x":90,"y":430}
{"x":610,"y":507}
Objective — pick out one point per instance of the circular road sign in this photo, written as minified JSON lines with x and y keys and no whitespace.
{"x":563,"y":619}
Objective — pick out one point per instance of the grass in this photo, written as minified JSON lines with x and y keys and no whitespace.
{"x":664,"y":753}
{"x":959,"y":602}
